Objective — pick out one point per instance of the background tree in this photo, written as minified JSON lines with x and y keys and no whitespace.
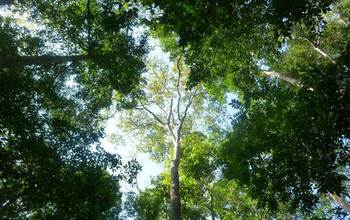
{"x":291,"y":144}
{"x":91,"y":35}
{"x":52,"y":164}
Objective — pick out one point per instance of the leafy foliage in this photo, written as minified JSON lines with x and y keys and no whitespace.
{"x":161,"y":93}
{"x":61,"y":71}
{"x":202,"y":195}
{"x":224,"y":40}
{"x":193,"y":20}
{"x":292,"y":145}
{"x":52,"y":164}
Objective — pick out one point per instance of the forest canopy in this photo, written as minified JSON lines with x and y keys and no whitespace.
{"x":279,"y":151}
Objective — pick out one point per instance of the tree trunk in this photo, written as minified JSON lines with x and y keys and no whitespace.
{"x":11,"y":61}
{"x":175,"y":206}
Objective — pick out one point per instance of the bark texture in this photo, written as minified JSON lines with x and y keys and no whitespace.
{"x":175,"y":206}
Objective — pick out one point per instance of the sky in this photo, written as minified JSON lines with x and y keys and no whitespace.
{"x":128,"y":149}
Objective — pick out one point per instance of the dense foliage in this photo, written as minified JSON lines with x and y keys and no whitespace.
{"x":292,"y":143}
{"x":201,"y":194}
{"x":225,"y":39}
{"x":52,"y":103}
{"x":65,"y":65}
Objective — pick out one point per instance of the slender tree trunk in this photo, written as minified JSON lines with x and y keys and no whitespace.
{"x":11,"y":61}
{"x":175,"y":206}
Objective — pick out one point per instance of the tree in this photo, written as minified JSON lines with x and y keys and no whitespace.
{"x":291,"y":144}
{"x":152,"y":203}
{"x":48,"y":167}
{"x":165,"y":113}
{"x":286,"y":148}
{"x":52,"y":165}
{"x":209,"y":16}
{"x":205,"y":193}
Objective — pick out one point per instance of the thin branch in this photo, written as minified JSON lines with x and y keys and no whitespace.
{"x":323,"y":54}
{"x":173,"y":118}
{"x":190,"y":100}
{"x":152,"y":113}
{"x":170,"y":110}
{"x":178,"y":87}
{"x":169,"y":118}
{"x":162,"y":109}
{"x":139,"y":108}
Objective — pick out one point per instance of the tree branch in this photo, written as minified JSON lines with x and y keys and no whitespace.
{"x":284,"y":77}
{"x":152,"y":113}
{"x":178,"y":87}
{"x":323,"y":54}
{"x":173,"y":118}
{"x":192,"y":95}
{"x":162,"y":109}
{"x":170,"y":110}
{"x":169,"y":118}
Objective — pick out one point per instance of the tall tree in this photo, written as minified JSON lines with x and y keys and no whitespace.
{"x":314,"y":51}
{"x":164,"y":114}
